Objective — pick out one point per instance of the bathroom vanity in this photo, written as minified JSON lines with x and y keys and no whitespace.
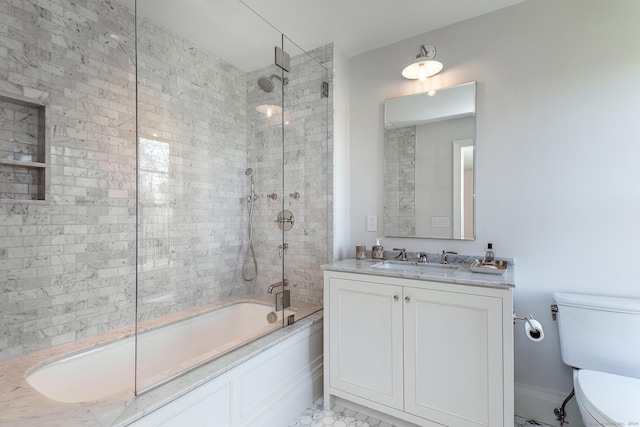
{"x":430,"y":345}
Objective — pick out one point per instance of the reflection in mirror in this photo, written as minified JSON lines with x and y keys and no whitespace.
{"x":429,"y":164}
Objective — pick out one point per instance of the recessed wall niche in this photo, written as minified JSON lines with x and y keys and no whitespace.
{"x":23,"y":150}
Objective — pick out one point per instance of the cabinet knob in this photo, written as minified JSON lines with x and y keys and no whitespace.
{"x":407,"y":299}
{"x":396,"y":297}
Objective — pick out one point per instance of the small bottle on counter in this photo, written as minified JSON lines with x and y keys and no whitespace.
{"x":377,"y":251}
{"x":489,"y":253}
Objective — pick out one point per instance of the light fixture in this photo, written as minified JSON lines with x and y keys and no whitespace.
{"x":425,"y":66}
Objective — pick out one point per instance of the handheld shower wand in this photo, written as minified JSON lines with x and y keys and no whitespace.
{"x":252,"y":194}
{"x":250,"y":269}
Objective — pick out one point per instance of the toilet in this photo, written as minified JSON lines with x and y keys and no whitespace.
{"x":600,"y":339}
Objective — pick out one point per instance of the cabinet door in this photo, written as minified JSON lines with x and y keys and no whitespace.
{"x":453,"y":357}
{"x":365,"y":353}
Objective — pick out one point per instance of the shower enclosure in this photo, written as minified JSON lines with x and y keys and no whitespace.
{"x":233,"y":166}
{"x":155,"y":164}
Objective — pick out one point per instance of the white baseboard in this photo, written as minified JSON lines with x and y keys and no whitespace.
{"x":538,"y":404}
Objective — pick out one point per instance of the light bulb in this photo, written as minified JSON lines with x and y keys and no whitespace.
{"x":422,"y":72}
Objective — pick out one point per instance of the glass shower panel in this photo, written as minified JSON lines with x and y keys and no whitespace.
{"x":265,"y":87}
{"x":307,"y":174}
{"x":205,"y":169}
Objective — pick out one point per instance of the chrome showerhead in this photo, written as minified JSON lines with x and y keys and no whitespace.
{"x":266,"y":83}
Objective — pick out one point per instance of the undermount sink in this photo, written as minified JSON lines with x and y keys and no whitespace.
{"x":417,"y":267}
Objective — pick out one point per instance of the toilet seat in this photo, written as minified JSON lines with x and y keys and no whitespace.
{"x":609,"y":398}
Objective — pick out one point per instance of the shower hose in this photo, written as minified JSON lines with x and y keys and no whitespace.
{"x":250,"y":255}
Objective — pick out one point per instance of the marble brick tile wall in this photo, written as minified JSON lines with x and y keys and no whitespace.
{"x":67,"y":266}
{"x":307,"y":161}
{"x":308,"y":157}
{"x":192,"y":158}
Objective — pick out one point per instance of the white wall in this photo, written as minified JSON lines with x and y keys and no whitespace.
{"x":340,"y":154}
{"x":558,"y":180}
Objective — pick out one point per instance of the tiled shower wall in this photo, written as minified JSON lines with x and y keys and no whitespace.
{"x":308,"y":171}
{"x":67,"y":266}
{"x":192,"y":118}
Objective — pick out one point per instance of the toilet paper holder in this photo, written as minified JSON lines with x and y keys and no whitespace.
{"x":534,"y":330}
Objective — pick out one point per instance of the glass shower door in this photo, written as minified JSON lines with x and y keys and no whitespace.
{"x":307,"y":172}
{"x":234,"y":182}
{"x":199,"y":189}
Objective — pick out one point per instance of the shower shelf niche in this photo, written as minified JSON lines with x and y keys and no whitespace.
{"x":23,"y":149}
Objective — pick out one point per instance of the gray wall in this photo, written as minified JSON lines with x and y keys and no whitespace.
{"x":557,"y":151}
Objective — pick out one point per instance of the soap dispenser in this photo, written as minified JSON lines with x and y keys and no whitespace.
{"x":489,"y":253}
{"x":377,"y":251}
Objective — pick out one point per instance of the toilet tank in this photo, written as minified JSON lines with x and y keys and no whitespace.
{"x":599,"y":333}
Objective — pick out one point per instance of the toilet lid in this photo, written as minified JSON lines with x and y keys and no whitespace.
{"x":614,"y":397}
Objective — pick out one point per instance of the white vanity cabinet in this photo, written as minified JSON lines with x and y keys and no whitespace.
{"x":431,"y":353}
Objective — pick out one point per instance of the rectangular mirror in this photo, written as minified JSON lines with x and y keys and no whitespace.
{"x":429,"y":164}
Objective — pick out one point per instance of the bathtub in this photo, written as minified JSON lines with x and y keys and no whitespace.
{"x":163,"y":353}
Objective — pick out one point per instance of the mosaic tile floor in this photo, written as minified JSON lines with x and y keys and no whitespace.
{"x":317,"y":416}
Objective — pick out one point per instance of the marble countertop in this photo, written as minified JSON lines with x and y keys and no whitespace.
{"x":462,"y":275}
{"x":20,"y":404}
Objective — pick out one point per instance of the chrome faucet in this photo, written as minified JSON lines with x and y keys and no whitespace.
{"x":284,"y":283}
{"x":443,"y":260}
{"x":402,"y":255}
{"x":422,"y":257}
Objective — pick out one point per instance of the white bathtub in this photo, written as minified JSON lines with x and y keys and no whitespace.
{"x":164,"y":352}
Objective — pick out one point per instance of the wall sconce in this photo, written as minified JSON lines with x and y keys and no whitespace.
{"x":425,"y":66}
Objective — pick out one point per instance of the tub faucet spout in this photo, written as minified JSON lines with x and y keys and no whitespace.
{"x":284,"y":283}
